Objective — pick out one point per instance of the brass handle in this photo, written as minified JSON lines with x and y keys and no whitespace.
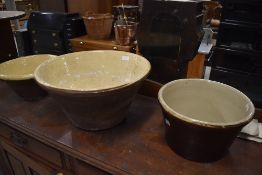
{"x":115,"y":48}
{"x":82,"y":43}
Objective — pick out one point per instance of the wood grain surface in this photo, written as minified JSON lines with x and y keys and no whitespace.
{"x":136,"y":146}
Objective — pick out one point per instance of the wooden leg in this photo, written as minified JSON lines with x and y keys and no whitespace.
{"x":7,"y":44}
{"x":196,"y":67}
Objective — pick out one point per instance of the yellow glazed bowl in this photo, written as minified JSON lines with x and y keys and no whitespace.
{"x":203,"y":117}
{"x":19,"y":75}
{"x":94,"y":88}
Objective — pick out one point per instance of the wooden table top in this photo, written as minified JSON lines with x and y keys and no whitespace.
{"x":136,"y":146}
{"x":11,"y":14}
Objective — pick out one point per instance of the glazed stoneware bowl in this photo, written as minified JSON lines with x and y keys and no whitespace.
{"x":94,"y":88}
{"x":19,"y":75}
{"x":202,"y":117}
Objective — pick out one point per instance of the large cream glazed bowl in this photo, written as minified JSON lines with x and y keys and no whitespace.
{"x":203,"y":117}
{"x":19,"y":75}
{"x":94,"y":88}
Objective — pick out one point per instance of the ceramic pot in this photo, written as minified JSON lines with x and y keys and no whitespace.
{"x":202,"y":117}
{"x":125,"y":32}
{"x":94,"y":88}
{"x":18,"y":74}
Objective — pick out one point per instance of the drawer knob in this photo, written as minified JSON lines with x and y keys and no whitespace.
{"x":59,"y":173}
{"x":55,"y":44}
{"x":82,"y":43}
{"x":53,"y":34}
{"x":115,"y":48}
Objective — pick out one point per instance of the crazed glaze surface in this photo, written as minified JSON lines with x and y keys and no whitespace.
{"x":205,"y":102}
{"x":23,"y":67}
{"x":92,"y":70}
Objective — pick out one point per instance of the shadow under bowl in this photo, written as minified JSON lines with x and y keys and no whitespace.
{"x":18,"y":74}
{"x":94,"y":88}
{"x":202,"y":117}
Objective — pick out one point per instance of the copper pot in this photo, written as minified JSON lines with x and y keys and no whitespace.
{"x":125,"y":33}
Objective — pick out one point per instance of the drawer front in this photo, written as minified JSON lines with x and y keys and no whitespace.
{"x":31,"y":145}
{"x":236,"y":60}
{"x":240,"y":37}
{"x":78,"y":49}
{"x":47,"y":34}
{"x":249,"y":84}
{"x":242,"y":11}
{"x":107,"y":45}
{"x":84,"y":168}
{"x":231,"y":78}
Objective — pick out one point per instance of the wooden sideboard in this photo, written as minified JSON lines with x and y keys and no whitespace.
{"x":37,"y":139}
{"x":83,"y":43}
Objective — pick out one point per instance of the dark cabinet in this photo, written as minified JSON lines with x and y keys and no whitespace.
{"x":22,"y":164}
{"x":237,"y":57}
{"x":23,"y":155}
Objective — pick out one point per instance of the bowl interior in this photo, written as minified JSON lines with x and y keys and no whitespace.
{"x":22,"y":68}
{"x":92,"y":70}
{"x":205,"y":101}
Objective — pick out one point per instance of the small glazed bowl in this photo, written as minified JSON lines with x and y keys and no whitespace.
{"x":19,"y":75}
{"x":94,"y":88}
{"x":202,"y":117}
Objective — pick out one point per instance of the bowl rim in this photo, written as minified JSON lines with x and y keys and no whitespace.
{"x":28,"y":76}
{"x":184,"y":118}
{"x":81,"y":91}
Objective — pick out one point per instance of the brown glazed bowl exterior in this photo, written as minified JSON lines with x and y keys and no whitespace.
{"x":94,"y":88}
{"x":18,"y":74}
{"x":96,"y":111}
{"x":200,"y":138}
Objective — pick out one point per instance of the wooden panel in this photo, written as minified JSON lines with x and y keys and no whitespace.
{"x":84,"y":168}
{"x":31,"y":145}
{"x":32,"y":172}
{"x":27,"y":162}
{"x":7,"y":45}
{"x":4,"y":163}
{"x":85,"y":43}
{"x":196,"y":67}
{"x":97,"y":6}
{"x":53,"y":6}
{"x":17,"y":165}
